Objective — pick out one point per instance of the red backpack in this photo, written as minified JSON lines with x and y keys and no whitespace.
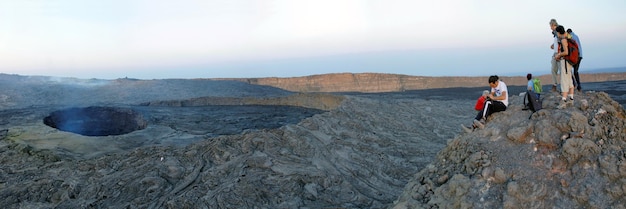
{"x":572,"y":55}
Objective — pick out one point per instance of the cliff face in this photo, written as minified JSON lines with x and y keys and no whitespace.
{"x":378,"y":82}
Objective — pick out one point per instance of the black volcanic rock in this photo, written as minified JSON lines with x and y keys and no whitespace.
{"x":348,"y":157}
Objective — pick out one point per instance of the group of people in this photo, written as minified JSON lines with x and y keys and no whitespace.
{"x":569,"y":77}
{"x":497,"y":99}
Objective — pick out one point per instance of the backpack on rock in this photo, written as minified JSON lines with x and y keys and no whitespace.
{"x":534,"y":103}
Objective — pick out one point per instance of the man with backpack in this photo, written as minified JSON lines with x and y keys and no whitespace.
{"x":567,"y":56}
{"x":580,"y":58}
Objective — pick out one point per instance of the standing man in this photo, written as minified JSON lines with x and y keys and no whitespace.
{"x":580,"y":58}
{"x":554,"y":46}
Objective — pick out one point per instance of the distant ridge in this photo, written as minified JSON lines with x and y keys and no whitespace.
{"x":381,"y":82}
{"x":607,"y":70}
{"x":582,"y":71}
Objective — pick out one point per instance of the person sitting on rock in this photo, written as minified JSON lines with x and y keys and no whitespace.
{"x":497,"y":101}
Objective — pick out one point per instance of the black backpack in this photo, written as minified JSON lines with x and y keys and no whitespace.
{"x":534,"y":103}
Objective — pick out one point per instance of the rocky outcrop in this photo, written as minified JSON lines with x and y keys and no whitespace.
{"x":560,"y":158}
{"x":379,"y":82}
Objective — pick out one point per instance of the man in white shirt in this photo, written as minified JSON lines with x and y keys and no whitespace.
{"x":497,"y":101}
{"x":555,"y":63}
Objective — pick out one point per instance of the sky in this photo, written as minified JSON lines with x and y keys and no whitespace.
{"x":156,"y":39}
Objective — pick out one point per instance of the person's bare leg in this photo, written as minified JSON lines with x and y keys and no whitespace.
{"x":571,"y":94}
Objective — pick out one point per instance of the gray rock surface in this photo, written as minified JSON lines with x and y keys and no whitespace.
{"x":560,"y":158}
{"x":226,"y":144}
{"x":347,"y":151}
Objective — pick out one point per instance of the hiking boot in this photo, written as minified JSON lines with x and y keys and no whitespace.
{"x":553,"y":88}
{"x":467,"y":129}
{"x":562,"y":104}
{"x":579,"y":89}
{"x":479,"y":124}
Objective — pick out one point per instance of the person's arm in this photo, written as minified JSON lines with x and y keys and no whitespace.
{"x":499,"y":98}
{"x":565,"y":51}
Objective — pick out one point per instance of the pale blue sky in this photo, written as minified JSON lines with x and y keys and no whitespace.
{"x":282,"y":38}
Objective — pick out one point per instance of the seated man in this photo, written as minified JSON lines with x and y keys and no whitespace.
{"x":497,"y":101}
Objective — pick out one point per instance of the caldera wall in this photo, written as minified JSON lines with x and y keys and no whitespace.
{"x":379,"y":82}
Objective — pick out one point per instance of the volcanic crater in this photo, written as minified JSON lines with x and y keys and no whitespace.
{"x":96,"y":121}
